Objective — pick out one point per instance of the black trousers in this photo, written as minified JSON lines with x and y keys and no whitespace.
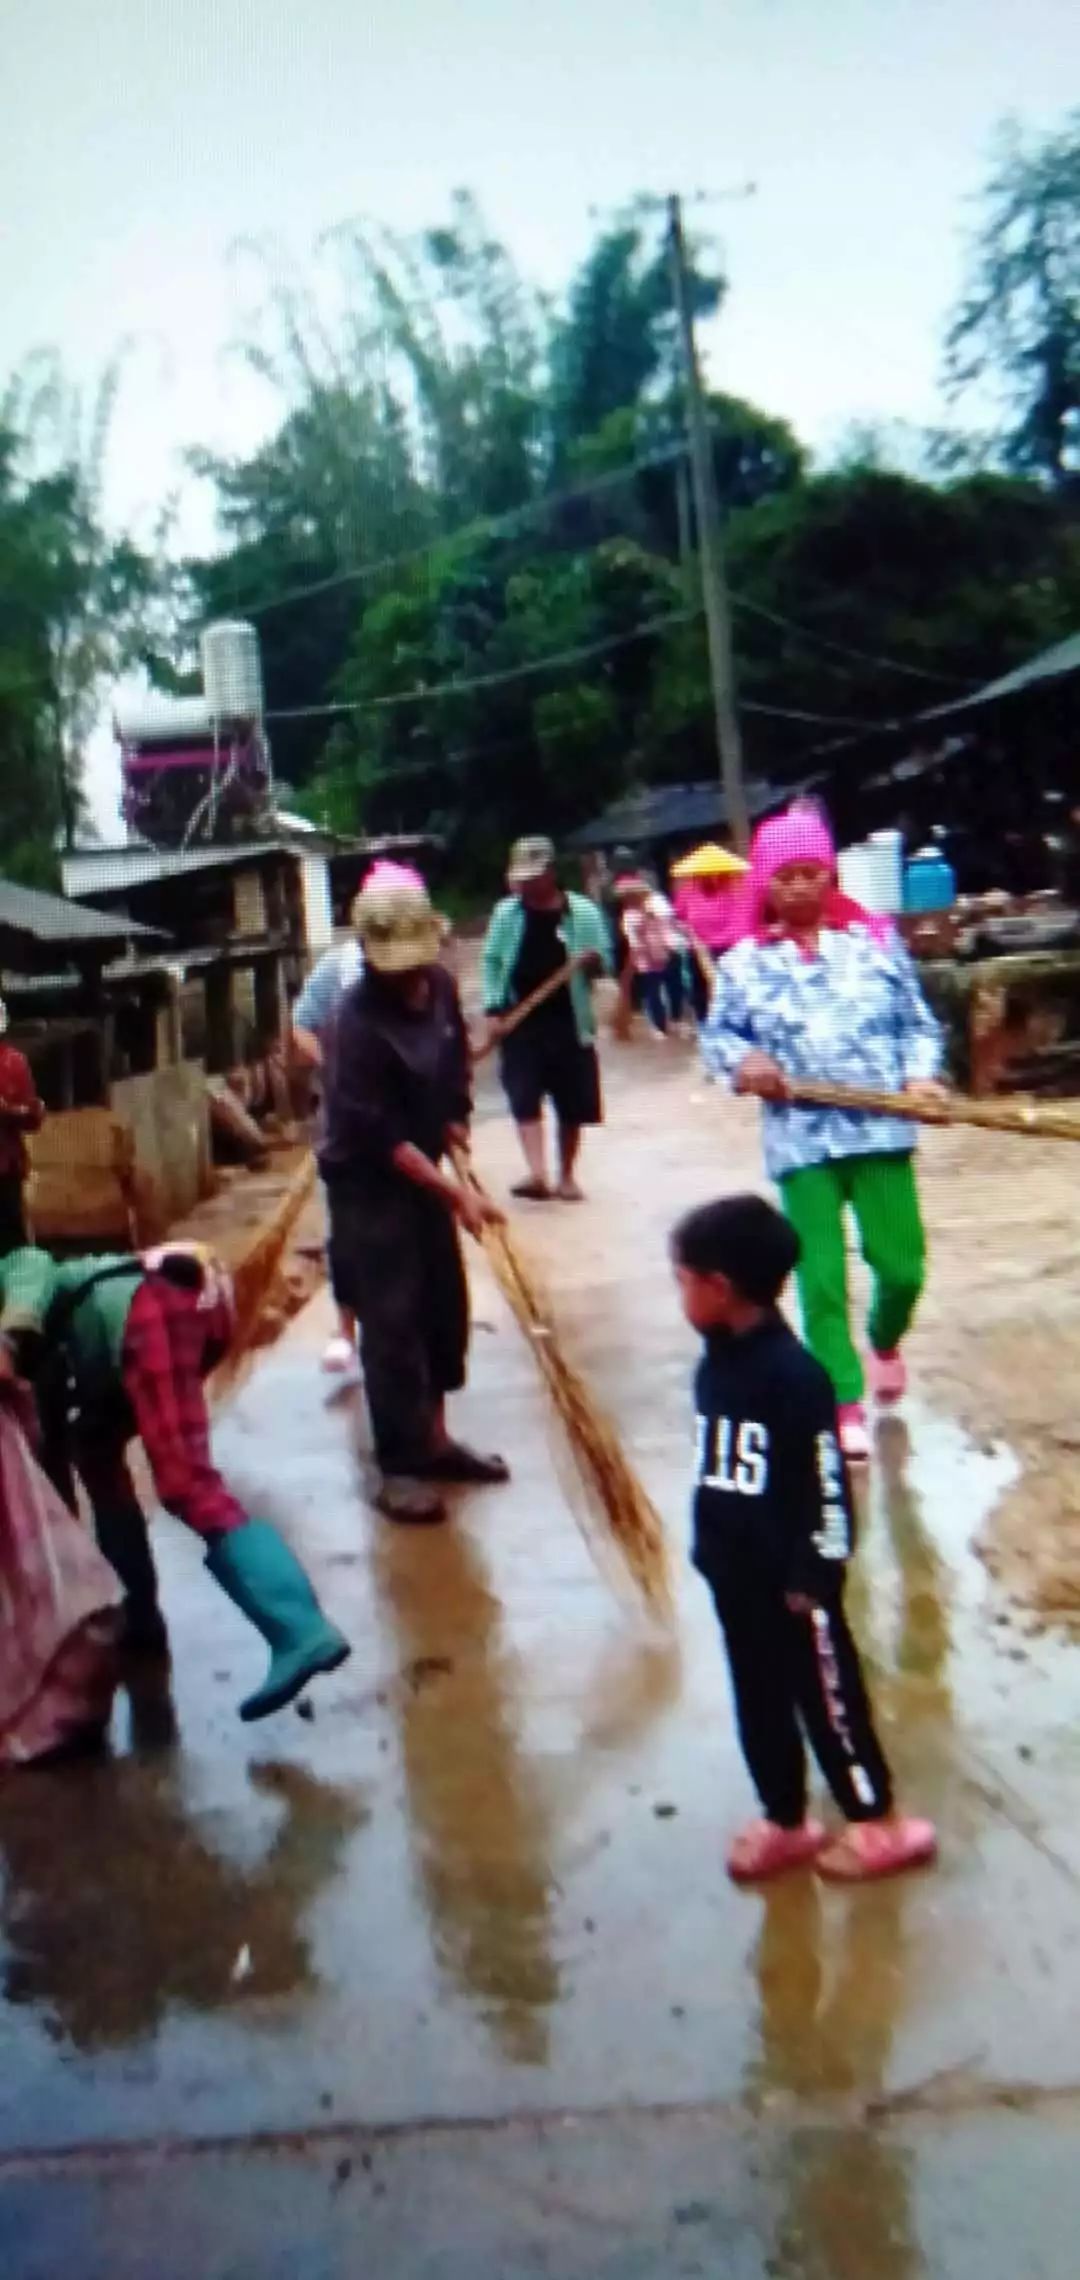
{"x":397,"y":1264}
{"x":796,"y":1676}
{"x":12,"y":1213}
{"x":700,"y":993}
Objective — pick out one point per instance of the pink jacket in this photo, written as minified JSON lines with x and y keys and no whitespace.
{"x":714,"y":920}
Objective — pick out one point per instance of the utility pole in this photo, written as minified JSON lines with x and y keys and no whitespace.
{"x":710,"y":544}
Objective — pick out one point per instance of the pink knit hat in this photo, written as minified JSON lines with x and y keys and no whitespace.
{"x":800,"y":835}
{"x":795,"y":837}
{"x":384,"y":873}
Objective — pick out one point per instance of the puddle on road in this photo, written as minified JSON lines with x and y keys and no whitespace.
{"x":918,"y":1590}
{"x":532,"y":1743}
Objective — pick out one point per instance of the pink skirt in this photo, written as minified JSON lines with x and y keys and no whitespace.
{"x":59,"y":1610}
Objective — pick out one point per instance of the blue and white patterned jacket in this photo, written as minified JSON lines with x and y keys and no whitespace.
{"x":854,"y":1015}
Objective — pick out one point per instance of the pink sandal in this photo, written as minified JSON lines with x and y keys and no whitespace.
{"x":871,"y":1849}
{"x":854,"y":1432}
{"x":764,"y":1849}
{"x":888,"y":1378}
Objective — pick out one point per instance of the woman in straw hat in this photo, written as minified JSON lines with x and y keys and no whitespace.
{"x":313,"y":1017}
{"x":398,"y":1097}
{"x":708,"y":904}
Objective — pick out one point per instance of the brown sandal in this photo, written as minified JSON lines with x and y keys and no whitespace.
{"x":456,"y":1463}
{"x":410,"y":1504}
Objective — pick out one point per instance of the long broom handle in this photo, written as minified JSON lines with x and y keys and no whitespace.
{"x":1038,"y":1120}
{"x":508,"y":1022}
{"x":495,"y":1240}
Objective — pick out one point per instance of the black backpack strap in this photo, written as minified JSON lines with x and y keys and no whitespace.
{"x":62,"y":1312}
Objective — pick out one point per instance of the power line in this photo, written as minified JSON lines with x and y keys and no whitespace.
{"x":483,"y":527}
{"x":820,"y":720}
{"x":559,"y":658}
{"x":843,"y":648}
{"x":555,"y":661}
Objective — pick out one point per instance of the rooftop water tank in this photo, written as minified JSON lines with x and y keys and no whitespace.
{"x":153,"y":717}
{"x":232,"y":671}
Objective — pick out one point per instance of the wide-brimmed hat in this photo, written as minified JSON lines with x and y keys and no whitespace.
{"x":529,"y":859}
{"x":397,"y":927}
{"x":383,"y":874}
{"x":709,"y":862}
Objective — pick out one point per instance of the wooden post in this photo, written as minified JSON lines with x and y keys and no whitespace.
{"x":220,"y":1053}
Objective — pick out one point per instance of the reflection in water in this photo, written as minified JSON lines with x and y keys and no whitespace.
{"x":632,"y":1682}
{"x":119,"y":1908}
{"x":827,"y":2024}
{"x":922,"y":1649}
{"x":479,"y":1821}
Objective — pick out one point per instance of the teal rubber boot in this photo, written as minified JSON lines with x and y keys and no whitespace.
{"x":265,"y":1580}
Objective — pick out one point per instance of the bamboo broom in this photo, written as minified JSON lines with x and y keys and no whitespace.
{"x":1015,"y":1112}
{"x":615,"y":1511}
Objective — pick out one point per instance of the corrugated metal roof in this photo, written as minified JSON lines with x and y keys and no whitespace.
{"x":52,"y":918}
{"x":666,"y":811}
{"x":112,"y":870}
{"x":1050,"y":665}
{"x":106,"y":871}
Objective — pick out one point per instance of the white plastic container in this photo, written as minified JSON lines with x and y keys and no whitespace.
{"x":872,"y":874}
{"x":888,"y":848}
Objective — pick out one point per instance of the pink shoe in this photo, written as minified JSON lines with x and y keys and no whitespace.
{"x":854,"y":1432}
{"x":764,"y":1849}
{"x":888,"y":1378}
{"x":870,"y":1849}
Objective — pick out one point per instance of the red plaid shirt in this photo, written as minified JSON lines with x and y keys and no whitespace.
{"x":20,"y":1111}
{"x":168,"y":1346}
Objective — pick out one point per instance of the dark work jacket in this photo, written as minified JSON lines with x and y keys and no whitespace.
{"x":772,"y":1499}
{"x":392,"y":1076}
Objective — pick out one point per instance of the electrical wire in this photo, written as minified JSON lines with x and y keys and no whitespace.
{"x":558,"y":659}
{"x":842,"y":648}
{"x":490,"y":526}
{"x":554,"y":662}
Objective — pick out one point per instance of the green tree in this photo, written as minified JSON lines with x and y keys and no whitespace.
{"x":616,"y":344}
{"x":461,"y":720}
{"x":864,"y":594}
{"x":1017,"y":327}
{"x":82,"y":603}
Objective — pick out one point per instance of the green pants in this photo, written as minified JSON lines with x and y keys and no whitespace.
{"x":882,"y":1194}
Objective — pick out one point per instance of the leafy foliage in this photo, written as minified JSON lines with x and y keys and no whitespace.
{"x":469,"y":547}
{"x":1018,"y":326}
{"x":77,"y":605}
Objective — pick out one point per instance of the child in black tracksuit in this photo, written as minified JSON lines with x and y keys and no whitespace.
{"x":773,"y":1531}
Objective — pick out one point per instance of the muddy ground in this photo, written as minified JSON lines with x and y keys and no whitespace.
{"x":444,"y":1978}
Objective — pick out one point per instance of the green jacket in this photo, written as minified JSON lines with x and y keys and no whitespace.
{"x":584,"y":928}
{"x":31,"y":1282}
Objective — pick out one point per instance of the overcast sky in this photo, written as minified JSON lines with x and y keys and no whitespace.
{"x":141,"y":138}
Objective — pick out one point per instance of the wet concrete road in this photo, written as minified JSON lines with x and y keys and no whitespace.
{"x":448,"y":1980}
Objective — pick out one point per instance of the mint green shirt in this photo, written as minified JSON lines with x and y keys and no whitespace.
{"x":32,"y":1280}
{"x":583,"y":928}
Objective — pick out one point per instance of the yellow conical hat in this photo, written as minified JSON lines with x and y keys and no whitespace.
{"x":709,"y":862}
